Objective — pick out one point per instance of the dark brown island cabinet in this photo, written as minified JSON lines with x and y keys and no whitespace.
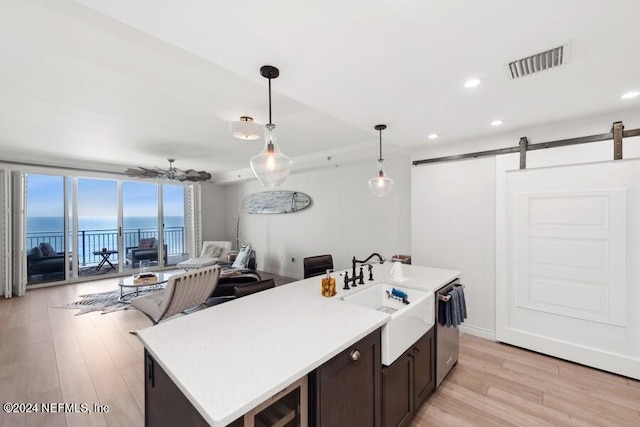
{"x":351,"y":389}
{"x":408,"y":382}
{"x":346,"y":390}
{"x":164,"y":403}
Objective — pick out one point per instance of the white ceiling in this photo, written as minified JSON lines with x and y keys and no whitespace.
{"x":115,"y":83}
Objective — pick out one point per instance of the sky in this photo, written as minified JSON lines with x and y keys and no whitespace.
{"x":99,"y":197}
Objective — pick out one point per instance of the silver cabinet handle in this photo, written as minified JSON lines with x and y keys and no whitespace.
{"x":355,"y":355}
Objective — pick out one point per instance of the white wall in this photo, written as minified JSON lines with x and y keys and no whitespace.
{"x":213,"y":213}
{"x":343,"y":220}
{"x":454,"y":221}
{"x":454,"y":210}
{"x":453,"y":227}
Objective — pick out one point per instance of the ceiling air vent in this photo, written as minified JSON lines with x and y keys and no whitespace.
{"x":539,"y":62}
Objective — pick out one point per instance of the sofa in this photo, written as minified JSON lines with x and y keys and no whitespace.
{"x":233,"y":280}
{"x":44,"y":260}
{"x":146,"y":249}
{"x":213,"y":252}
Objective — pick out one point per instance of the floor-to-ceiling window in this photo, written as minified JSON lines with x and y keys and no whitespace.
{"x":79,"y":227}
{"x":140,"y":224}
{"x":45,"y":243}
{"x":97,"y":239}
{"x":173,"y":211}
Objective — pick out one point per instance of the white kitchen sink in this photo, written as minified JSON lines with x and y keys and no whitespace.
{"x":408,"y":321}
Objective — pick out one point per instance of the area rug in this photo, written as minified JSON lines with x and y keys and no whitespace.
{"x":105,"y":302}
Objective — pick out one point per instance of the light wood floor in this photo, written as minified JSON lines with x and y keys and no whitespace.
{"x":500,"y":385}
{"x":49,"y":355}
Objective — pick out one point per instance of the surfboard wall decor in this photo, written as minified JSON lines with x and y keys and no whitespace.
{"x":275,"y":202}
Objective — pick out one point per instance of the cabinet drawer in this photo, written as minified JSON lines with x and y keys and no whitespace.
{"x":424,"y":367}
{"x":397,"y":392}
{"x":408,"y":382}
{"x":347,"y":389}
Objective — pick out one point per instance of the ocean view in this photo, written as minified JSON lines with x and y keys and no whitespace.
{"x":37,"y":224}
{"x":95,"y":233}
{"x":96,"y":238}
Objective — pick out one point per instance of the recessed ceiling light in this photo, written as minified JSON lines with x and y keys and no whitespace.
{"x":630,"y":95}
{"x":496,"y":123}
{"x":471,"y":83}
{"x":433,"y":136}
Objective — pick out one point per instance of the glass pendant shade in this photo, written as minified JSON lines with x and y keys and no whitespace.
{"x":271,"y":166}
{"x":380,"y":185}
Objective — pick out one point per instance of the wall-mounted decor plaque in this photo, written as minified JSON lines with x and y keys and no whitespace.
{"x":275,"y":202}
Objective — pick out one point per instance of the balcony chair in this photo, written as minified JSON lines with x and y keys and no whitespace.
{"x":317,"y":265}
{"x":184,"y":292}
{"x":146,"y":249}
{"x":44,"y":260}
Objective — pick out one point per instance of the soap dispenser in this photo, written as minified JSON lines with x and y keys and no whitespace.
{"x":328,"y":285}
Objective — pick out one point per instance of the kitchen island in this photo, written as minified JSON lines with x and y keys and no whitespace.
{"x":228,"y":359}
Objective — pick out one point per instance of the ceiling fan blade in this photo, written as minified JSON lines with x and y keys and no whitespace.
{"x":193,"y":175}
{"x":171,"y":175}
{"x":138,"y":173}
{"x":147,"y":170}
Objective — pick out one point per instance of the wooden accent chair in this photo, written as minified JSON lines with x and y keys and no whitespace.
{"x":183,"y":292}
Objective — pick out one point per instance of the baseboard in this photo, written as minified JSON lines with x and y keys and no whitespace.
{"x":478,"y":332}
{"x":598,"y":358}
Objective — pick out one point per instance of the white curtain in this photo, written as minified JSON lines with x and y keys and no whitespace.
{"x":194,"y":219}
{"x":18,"y":274}
{"x":5,"y":232}
{"x":12,"y":257}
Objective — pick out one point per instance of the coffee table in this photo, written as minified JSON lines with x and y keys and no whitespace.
{"x":127,"y":282}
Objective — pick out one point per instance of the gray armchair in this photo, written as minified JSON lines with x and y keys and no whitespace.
{"x":44,"y":260}
{"x":146,"y":249}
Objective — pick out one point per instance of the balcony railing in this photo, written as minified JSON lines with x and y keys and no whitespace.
{"x":90,"y":241}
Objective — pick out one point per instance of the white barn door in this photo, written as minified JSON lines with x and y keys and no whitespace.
{"x":572,"y":282}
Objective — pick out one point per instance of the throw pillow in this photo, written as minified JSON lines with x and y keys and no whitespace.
{"x":47,"y":250}
{"x":211,"y":251}
{"x":36,"y":252}
{"x":147,"y":243}
{"x":243,"y":257}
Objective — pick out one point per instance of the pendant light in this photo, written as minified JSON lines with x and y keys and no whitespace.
{"x":380,"y":185}
{"x":271,"y":166}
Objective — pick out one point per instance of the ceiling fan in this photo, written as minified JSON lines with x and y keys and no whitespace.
{"x":171,"y":174}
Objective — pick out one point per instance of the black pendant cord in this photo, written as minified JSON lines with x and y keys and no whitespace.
{"x":269,"y":72}
{"x":380,"y":128}
{"x":270,"y":102}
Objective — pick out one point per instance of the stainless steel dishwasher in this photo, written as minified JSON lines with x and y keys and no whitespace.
{"x":446,"y":337}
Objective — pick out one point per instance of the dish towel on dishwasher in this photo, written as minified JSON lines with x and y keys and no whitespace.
{"x":455,"y":310}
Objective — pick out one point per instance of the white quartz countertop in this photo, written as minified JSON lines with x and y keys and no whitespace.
{"x":229,"y":358}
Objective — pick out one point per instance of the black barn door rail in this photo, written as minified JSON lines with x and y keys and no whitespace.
{"x":616,"y":134}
